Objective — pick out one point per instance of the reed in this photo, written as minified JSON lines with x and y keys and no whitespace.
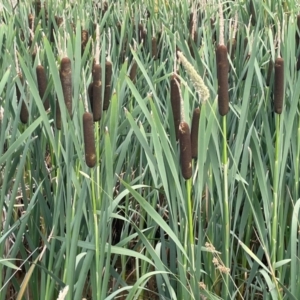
{"x":133,"y":71}
{"x":185,"y":150}
{"x":66,"y":82}
{"x":222,"y":73}
{"x":89,"y":139}
{"x":278,"y":85}
{"x":194,"y":132}
{"x":84,"y":40}
{"x":107,"y":90}
{"x":154,"y":48}
{"x":97,"y":93}
{"x":42,"y":85}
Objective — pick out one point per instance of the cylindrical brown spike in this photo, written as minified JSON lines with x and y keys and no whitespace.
{"x":185,"y":150}
{"x":105,"y":8}
{"x":90,"y":93}
{"x":84,"y":40}
{"x":31,"y":22}
{"x":89,"y":140}
{"x":270,"y":70}
{"x":133,"y":70}
{"x":278,"y":85}
{"x":194,"y":132}
{"x":108,"y":73}
{"x":66,"y":82}
{"x":42,"y":84}
{"x":97,"y":72}
{"x":57,"y":116}
{"x":97,"y":93}
{"x":222,"y":72}
{"x":38,"y":7}
{"x":24,"y":114}
{"x":31,"y":28}
{"x":154,"y":47}
{"x":175,"y":103}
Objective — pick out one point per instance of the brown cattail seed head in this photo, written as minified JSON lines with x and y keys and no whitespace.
{"x":222,"y":72}
{"x":176,"y":103}
{"x":90,"y":93}
{"x":185,"y":150}
{"x":108,"y":73}
{"x":42,"y":84}
{"x":269,"y":74}
{"x":38,"y":7}
{"x":57,"y":116}
{"x":278,"y":85}
{"x":66,"y":82}
{"x":97,"y":93}
{"x":194,"y":132}
{"x":84,"y":40}
{"x":154,"y":47}
{"x":89,"y":140}
{"x":133,"y":70}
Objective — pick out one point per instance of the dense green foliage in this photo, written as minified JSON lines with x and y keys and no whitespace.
{"x":131,"y":227}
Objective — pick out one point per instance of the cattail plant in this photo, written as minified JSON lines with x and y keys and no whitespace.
{"x":97,"y":92}
{"x":222,"y":73}
{"x":175,"y":103}
{"x":185,"y":150}
{"x":90,"y":94}
{"x":194,"y":132}
{"x":154,"y":47}
{"x":66,"y":82}
{"x":31,"y":28}
{"x":133,"y":70}
{"x":24,"y":115}
{"x":142,"y":33}
{"x":107,"y":90}
{"x":89,"y":139}
{"x":84,"y":40}
{"x":38,"y":7}
{"x":42,"y":84}
{"x":57,"y":116}
{"x":58,"y":22}
{"x":278,"y":85}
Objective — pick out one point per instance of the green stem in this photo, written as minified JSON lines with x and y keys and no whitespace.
{"x":274,"y":231}
{"x":226,"y":227}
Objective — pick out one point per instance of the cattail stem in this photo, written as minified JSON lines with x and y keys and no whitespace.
{"x":226,"y":220}
{"x":276,"y":204}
